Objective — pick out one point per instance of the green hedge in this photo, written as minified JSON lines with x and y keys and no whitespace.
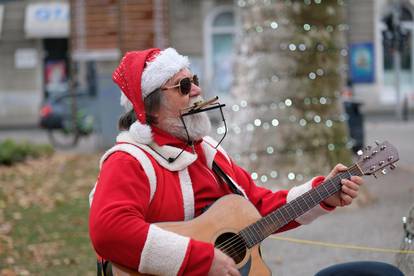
{"x":12,"y":152}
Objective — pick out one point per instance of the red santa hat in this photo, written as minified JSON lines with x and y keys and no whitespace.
{"x":139,"y":74}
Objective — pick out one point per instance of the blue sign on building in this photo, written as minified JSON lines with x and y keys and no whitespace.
{"x":361,"y":63}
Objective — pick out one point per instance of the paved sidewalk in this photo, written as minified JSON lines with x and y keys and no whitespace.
{"x":377,"y":224}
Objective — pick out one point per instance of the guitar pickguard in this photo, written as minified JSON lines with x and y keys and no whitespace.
{"x":245,"y":269}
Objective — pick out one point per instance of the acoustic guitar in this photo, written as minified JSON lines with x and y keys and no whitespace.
{"x":235,"y":226}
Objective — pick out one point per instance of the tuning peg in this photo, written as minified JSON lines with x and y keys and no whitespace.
{"x":384,"y":171}
{"x":383,"y":147}
{"x":377,"y":142}
{"x":392,"y":166}
{"x":360,"y":153}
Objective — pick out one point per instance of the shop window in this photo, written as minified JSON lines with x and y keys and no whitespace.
{"x":406,"y":50}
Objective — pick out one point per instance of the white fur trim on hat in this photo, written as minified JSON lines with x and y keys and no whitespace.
{"x":161,"y":69}
{"x":141,"y":133}
{"x":161,"y":153}
{"x":125,"y":102}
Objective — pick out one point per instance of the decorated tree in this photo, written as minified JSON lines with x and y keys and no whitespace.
{"x":287,"y":122}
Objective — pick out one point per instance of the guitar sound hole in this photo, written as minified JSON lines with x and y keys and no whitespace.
{"x":233,"y":245}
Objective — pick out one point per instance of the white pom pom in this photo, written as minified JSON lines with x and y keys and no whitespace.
{"x":141,"y":133}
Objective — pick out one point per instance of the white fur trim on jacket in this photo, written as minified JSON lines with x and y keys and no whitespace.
{"x":91,"y":194}
{"x":188,"y":194}
{"x":141,"y":133}
{"x":239,"y":187}
{"x":165,"y":65}
{"x":142,"y":158}
{"x":163,"y":252}
{"x":159,"y":153}
{"x":313,"y":213}
{"x":210,"y":151}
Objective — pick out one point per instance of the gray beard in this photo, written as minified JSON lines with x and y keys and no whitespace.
{"x":198,"y":125}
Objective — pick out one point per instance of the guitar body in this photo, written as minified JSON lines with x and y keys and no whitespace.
{"x":220,"y":222}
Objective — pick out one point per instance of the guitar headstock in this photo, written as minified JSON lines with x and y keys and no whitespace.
{"x":373,"y":159}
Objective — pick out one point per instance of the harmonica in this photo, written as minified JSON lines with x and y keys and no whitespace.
{"x":200,"y":104}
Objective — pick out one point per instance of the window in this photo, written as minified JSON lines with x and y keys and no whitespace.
{"x":406,"y":48}
{"x":219,"y":50}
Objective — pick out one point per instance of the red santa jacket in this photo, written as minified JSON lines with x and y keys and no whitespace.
{"x":137,"y":187}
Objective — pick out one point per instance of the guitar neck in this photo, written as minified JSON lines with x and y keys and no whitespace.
{"x":258,"y":231}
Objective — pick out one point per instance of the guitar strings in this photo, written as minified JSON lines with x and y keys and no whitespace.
{"x":240,"y":247}
{"x":237,"y":244}
{"x":234,"y":246}
{"x":229,"y":244}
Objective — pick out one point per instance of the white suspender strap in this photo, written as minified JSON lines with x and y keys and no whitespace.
{"x":139,"y":154}
{"x":142,"y":158}
{"x":188,"y":194}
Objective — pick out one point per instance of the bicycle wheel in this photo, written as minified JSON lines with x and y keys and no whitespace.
{"x":64,"y":138}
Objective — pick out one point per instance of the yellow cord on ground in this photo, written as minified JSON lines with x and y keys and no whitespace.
{"x":346,"y":246}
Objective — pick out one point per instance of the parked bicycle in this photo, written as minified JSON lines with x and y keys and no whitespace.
{"x":405,"y":262}
{"x":64,"y":127}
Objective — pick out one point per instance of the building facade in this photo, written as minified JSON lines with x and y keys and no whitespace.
{"x":370,"y":46}
{"x":34,"y":60}
{"x":33,"y":57}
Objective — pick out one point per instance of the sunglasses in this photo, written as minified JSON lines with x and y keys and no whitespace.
{"x":184,"y":85}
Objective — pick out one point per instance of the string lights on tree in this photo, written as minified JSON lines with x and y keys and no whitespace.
{"x":287,"y":121}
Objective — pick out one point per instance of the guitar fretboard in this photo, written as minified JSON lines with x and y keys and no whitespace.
{"x":258,"y":231}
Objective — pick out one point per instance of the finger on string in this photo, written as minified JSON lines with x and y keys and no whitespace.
{"x":346,"y":199}
{"x":357,"y":179}
{"x":349,"y":191}
{"x":350,"y":184}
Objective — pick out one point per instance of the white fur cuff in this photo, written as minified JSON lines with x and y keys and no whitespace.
{"x":313,"y":213}
{"x":163,"y":252}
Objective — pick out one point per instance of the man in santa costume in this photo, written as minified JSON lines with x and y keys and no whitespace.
{"x":161,"y":169}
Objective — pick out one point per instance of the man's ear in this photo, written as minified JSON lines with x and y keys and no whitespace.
{"x":153,"y":119}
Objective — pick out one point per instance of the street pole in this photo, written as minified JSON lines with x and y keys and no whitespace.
{"x":397,"y":66}
{"x":397,"y":56}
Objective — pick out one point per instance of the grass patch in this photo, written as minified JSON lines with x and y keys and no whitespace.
{"x":12,"y":152}
{"x":44,"y":216}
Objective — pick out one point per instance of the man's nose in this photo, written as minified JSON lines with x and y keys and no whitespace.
{"x":195,"y":90}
